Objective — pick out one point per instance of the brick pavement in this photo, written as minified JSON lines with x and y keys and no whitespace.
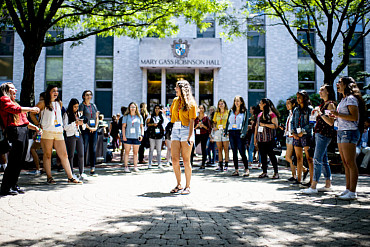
{"x":118,"y":209}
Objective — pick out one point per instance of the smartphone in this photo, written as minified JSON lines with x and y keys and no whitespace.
{"x":189,"y":143}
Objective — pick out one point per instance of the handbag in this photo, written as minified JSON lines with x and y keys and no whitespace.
{"x":4,"y":143}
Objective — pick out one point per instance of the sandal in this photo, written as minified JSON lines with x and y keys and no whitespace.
{"x":51,"y":180}
{"x":246,"y":174}
{"x":263,"y":175}
{"x":276,"y":176}
{"x":74,"y":181}
{"x":185,"y":191}
{"x":176,"y":189}
{"x":235,"y":174}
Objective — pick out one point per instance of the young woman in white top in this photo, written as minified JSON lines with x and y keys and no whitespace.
{"x":350,"y":119}
{"x":71,"y":123}
{"x":51,"y":123}
{"x":290,"y":105}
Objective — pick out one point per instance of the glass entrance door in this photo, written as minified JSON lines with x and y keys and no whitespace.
{"x":174,"y":75}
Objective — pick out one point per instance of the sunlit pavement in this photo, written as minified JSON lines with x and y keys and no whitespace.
{"x":135,"y":209}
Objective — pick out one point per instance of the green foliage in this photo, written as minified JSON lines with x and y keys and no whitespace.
{"x":332,"y":22}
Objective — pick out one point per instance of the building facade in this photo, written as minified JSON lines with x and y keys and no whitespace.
{"x":120,"y":70}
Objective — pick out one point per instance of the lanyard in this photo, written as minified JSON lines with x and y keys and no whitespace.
{"x":90,"y":108}
{"x":178,"y":109}
{"x":54,"y":110}
{"x":235,"y":117}
{"x":132,"y":120}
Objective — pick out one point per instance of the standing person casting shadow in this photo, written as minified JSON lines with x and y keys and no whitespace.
{"x":183,"y":113}
{"x":51,"y":123}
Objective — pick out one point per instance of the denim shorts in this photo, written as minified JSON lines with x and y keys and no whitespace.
{"x":289,"y":140}
{"x":220,"y":137}
{"x":181,"y":134}
{"x":304,"y":141}
{"x":348,"y":136}
{"x":132,"y":141}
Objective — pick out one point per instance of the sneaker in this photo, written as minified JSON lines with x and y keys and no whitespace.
{"x":202,"y":167}
{"x":295,"y":183}
{"x":325,"y":189}
{"x":305,"y":174}
{"x":160,"y":166}
{"x":149,"y":166}
{"x":305,"y":185}
{"x":292,"y":179}
{"x":36,"y":173}
{"x":349,"y":196}
{"x":136,"y":169}
{"x":127,"y":170}
{"x":226,"y":168}
{"x":219,"y":169}
{"x":168,"y":164}
{"x":342,"y":193}
{"x":93,"y":173}
{"x":309,"y":191}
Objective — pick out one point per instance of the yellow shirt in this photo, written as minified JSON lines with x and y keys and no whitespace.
{"x":177,"y":112}
{"x":221,"y":119}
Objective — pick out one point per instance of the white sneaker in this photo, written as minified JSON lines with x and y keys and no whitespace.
{"x":149,"y":166}
{"x":168,"y":164}
{"x":309,"y":191}
{"x":127,"y":170}
{"x":342,"y":193}
{"x":325,"y":189}
{"x":135,"y":169}
{"x":160,"y":166}
{"x":349,"y":196}
{"x":84,"y":176}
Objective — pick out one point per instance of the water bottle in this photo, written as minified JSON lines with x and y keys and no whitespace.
{"x":168,"y":110}
{"x":38,"y":136}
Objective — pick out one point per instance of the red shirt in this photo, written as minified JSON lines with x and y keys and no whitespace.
{"x":7,"y":109}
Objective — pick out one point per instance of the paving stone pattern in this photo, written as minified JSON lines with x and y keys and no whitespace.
{"x":136,"y":209}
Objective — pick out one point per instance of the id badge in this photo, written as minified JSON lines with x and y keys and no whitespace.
{"x":197,"y":131}
{"x":157,"y":131}
{"x":92,"y":123}
{"x":132,"y":130}
{"x":336,"y":125}
{"x":299,"y":130}
{"x":234,"y":127}
{"x":327,"y":112}
{"x":56,"y":123}
{"x":177,"y":125}
{"x":312,"y":118}
{"x":220,"y":127}
{"x":260,"y":129}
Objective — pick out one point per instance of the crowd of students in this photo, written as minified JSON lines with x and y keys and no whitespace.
{"x":181,"y":127}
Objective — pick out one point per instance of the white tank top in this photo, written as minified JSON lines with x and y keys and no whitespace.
{"x":48,"y":118}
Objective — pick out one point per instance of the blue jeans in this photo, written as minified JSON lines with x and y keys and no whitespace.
{"x":320,"y":158}
{"x":251,"y":150}
{"x":236,"y":144}
{"x":211,"y":148}
{"x":90,"y":140}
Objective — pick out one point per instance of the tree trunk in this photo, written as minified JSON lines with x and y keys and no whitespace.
{"x":31,"y":55}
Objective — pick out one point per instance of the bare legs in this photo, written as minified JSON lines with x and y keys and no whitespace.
{"x":127,"y":152}
{"x":348,"y":154}
{"x":185,"y":149}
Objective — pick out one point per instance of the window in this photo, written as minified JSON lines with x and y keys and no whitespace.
{"x":154,"y":88}
{"x":306,"y":66}
{"x":356,"y":62}
{"x":210,"y":32}
{"x":206,"y":88}
{"x":6,"y":55}
{"x":174,"y":75}
{"x":54,"y":62}
{"x":256,"y":66}
{"x":104,"y":75}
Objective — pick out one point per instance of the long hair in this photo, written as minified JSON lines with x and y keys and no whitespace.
{"x":292,"y":101}
{"x":306,"y":98}
{"x":71,"y":115}
{"x":266,"y":110}
{"x":186,"y":94}
{"x":218,"y":108}
{"x":136,"y":112}
{"x":273,"y":108}
{"x":47,"y":98}
{"x":143,"y":110}
{"x":352,"y":89}
{"x":5,"y":91}
{"x":153,"y":112}
{"x":243,"y":109}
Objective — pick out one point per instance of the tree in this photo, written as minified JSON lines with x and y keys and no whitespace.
{"x":32,"y":19}
{"x":330,"y":20}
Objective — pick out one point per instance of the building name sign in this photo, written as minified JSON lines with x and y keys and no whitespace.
{"x":185,"y":52}
{"x":176,"y":62}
